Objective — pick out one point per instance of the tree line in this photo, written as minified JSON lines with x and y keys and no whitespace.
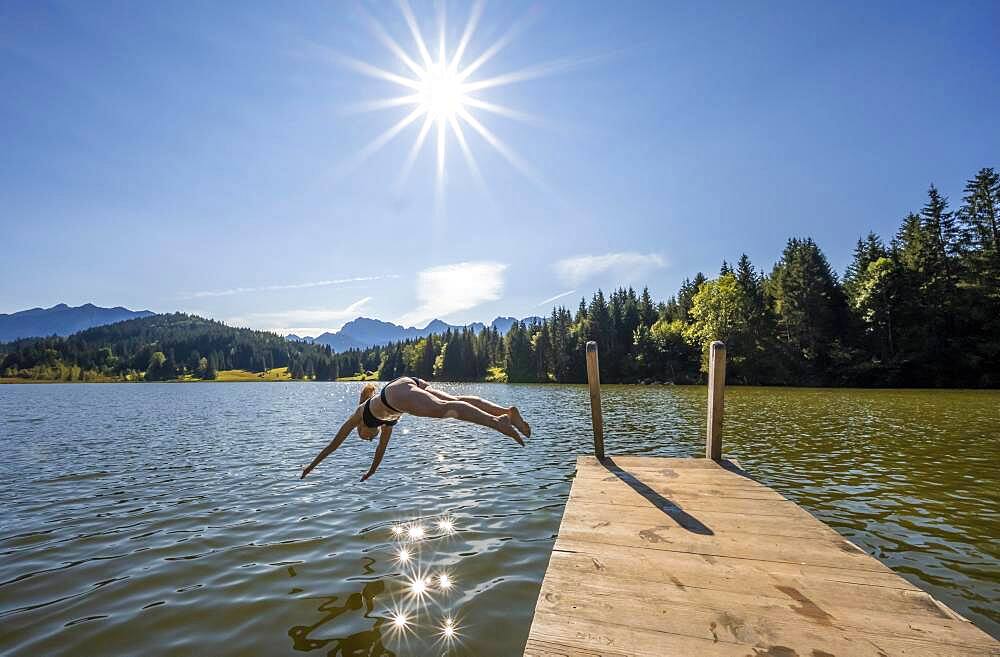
{"x":921,"y":309}
{"x":163,"y":348}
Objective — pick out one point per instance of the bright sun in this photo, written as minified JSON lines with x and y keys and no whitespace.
{"x":441,"y":94}
{"x":442,"y":91}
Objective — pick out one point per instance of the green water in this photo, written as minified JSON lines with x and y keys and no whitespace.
{"x":169,"y":519}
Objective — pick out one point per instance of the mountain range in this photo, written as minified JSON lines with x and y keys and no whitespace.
{"x":365,"y":332}
{"x":359,"y":333}
{"x":61,"y":320}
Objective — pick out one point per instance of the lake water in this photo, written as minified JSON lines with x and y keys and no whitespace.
{"x":170,"y":519}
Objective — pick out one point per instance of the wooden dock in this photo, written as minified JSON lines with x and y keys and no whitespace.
{"x":669,"y":557}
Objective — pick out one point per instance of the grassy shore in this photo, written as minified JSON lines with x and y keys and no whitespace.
{"x":225,"y":376}
{"x":222,"y":376}
{"x":90,"y":379}
{"x":370,"y":376}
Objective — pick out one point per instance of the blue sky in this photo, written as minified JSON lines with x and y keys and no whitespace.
{"x":205,"y":157}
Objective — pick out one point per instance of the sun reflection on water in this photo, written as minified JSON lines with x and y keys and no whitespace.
{"x":448,"y":629}
{"x":422,"y":606}
{"x":400,"y":620}
{"x":418,"y":586}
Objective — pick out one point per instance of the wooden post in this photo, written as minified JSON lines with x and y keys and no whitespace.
{"x":716,"y":399}
{"x":596,"y":418}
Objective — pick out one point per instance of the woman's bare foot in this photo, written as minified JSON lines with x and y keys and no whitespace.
{"x":505,"y":426}
{"x":522,"y":426}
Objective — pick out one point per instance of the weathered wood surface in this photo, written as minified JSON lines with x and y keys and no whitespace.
{"x":716,"y":399}
{"x":687,"y":557}
{"x":596,"y":414}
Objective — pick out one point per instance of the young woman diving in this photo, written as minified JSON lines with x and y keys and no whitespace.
{"x":407,"y":394}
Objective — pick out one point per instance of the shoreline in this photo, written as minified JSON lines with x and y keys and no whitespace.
{"x":16,"y":381}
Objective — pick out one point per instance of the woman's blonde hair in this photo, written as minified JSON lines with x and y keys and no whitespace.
{"x":367,"y":392}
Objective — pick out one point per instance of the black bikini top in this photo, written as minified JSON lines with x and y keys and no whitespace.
{"x":373,"y":422}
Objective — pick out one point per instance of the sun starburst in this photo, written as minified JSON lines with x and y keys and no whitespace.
{"x":443,"y":90}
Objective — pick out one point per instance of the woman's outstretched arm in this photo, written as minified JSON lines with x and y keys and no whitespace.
{"x":342,"y":434}
{"x":383,"y":443}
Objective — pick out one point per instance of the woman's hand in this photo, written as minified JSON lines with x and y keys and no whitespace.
{"x":342,"y":434}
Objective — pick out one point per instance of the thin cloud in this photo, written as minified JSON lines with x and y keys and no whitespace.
{"x":625,"y":265}
{"x":556,"y":297}
{"x":448,"y":289}
{"x":309,"y":321}
{"x":288,"y":286}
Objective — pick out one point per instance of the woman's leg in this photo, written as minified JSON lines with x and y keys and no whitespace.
{"x":480,"y":403}
{"x":487,"y":406}
{"x":419,"y":402}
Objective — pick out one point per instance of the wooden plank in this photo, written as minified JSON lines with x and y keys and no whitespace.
{"x":683,"y":468}
{"x":627,"y":461}
{"x":677,"y":476}
{"x":542,"y":648}
{"x":664,"y":557}
{"x":627,"y":499}
{"x":749,"y":617}
{"x":720,"y":573}
{"x":667,"y":488}
{"x":724,"y":483}
{"x":614,"y":638}
{"x":833,"y":552}
{"x":598,"y":514}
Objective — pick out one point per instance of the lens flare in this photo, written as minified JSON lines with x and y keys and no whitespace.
{"x":448,"y":629}
{"x":444,"y":581}
{"x":403,"y":556}
{"x":446,"y":525}
{"x":400,"y":621}
{"x":439,"y":91}
{"x":398,"y":530}
{"x":415,"y":532}
{"x":418,"y":586}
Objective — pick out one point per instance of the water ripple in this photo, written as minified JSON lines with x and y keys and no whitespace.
{"x":169,"y":519}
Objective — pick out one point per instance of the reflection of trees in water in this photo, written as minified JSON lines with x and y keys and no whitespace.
{"x":367,"y":643}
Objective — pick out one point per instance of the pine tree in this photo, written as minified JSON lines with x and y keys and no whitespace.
{"x":943,"y":230}
{"x":979,"y":228}
{"x":519,"y":363}
{"x":866,"y":252}
{"x":647,"y":309}
{"x":811,"y":308}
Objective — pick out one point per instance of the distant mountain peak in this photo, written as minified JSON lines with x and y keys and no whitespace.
{"x":61,"y":319}
{"x":364,"y":332}
{"x":437,"y":325}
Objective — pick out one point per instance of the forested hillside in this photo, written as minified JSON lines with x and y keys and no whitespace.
{"x":162,"y":347}
{"x":921,"y":309}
